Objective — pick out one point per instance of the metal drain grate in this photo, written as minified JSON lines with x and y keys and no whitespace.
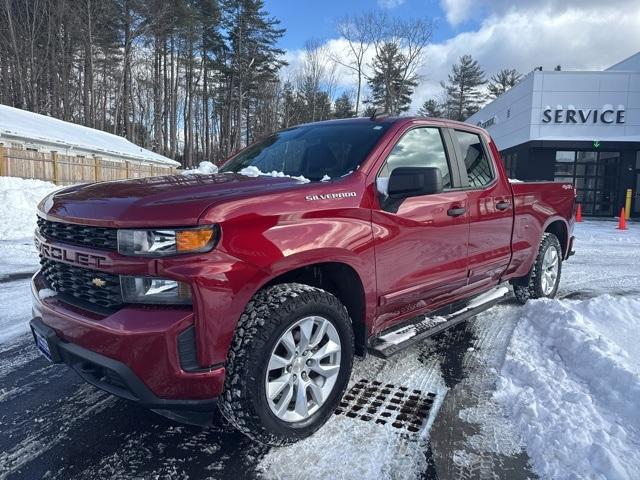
{"x":383,"y":403}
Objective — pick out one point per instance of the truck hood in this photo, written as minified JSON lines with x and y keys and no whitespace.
{"x":177,"y":200}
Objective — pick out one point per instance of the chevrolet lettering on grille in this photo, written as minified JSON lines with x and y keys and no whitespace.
{"x":69,"y":256}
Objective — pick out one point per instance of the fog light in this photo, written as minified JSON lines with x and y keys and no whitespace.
{"x":154,"y":291}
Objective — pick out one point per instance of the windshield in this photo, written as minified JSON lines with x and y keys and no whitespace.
{"x":315,"y":152}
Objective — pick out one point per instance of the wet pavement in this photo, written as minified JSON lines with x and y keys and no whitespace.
{"x":55,"y":426}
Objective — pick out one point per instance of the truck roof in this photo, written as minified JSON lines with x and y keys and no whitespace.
{"x":393,"y":120}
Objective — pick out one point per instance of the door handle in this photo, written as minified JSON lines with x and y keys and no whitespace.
{"x":456,"y":211}
{"x":503,"y":205}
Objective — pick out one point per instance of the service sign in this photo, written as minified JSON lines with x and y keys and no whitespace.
{"x":572,"y":115}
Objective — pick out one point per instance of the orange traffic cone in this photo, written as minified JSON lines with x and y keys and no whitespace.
{"x":579,"y":213}
{"x":622,"y":223}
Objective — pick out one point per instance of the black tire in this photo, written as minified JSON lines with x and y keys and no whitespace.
{"x":530,"y":286}
{"x":266,"y":317}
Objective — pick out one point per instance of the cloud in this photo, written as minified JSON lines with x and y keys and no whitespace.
{"x":389,"y":4}
{"x":458,"y":11}
{"x":588,"y":38}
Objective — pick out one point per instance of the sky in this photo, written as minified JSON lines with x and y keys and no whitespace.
{"x":522,"y":34}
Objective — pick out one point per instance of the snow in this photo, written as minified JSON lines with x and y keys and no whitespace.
{"x":19,"y":198}
{"x":252,"y":171}
{"x":571,"y":385}
{"x":46,"y":293}
{"x":349,"y":448}
{"x":29,"y":126}
{"x":204,"y":168}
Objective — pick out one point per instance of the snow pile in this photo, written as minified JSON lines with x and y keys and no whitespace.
{"x":19,"y":198}
{"x":255,"y":172}
{"x":571,"y":384}
{"x":204,"y":168}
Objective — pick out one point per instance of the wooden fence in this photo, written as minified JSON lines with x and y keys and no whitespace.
{"x":66,"y":170}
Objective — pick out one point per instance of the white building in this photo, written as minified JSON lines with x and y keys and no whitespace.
{"x":582,"y":127}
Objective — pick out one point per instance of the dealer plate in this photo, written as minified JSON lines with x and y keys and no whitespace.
{"x":42,"y":345}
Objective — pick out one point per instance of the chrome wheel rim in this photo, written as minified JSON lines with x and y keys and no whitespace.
{"x":303,"y":369}
{"x":550,"y":265}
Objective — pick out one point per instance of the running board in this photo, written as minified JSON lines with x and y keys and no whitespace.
{"x":396,"y":339}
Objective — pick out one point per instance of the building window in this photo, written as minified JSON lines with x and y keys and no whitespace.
{"x":595,"y":176}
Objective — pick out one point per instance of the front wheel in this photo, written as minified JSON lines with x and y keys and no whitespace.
{"x":289,"y":363}
{"x":544,"y":277}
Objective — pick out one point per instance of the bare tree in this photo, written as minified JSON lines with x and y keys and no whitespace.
{"x":357,"y":32}
{"x":408,"y":38}
{"x":316,"y":80}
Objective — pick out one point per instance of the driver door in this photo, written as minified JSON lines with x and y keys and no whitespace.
{"x":420,"y":243}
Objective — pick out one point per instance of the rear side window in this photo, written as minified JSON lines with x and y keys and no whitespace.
{"x":420,"y":147}
{"x":479,"y":171}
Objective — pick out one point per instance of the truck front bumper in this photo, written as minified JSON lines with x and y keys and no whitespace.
{"x":132,"y":353}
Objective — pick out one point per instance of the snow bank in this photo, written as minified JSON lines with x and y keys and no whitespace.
{"x":19,"y":198}
{"x":204,"y":168}
{"x":571,"y":384}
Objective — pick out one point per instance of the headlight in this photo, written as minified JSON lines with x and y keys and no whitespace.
{"x":154,"y":290}
{"x":162,"y":242}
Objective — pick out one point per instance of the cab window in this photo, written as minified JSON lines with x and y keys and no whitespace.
{"x":419,"y":147}
{"x":477,"y":163}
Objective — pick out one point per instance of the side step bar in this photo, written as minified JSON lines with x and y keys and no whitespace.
{"x":396,"y":339}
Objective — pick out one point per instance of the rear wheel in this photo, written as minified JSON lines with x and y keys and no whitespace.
{"x":289,"y":363}
{"x":544,"y":277}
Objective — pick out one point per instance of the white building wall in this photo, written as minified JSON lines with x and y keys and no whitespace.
{"x":518,"y":115}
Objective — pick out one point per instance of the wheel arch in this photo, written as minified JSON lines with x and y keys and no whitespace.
{"x":339,"y":279}
{"x":558,"y":226}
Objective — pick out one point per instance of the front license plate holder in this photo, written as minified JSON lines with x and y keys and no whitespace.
{"x":45,"y":339}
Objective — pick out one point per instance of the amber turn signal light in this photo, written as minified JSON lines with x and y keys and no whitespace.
{"x":193,"y":240}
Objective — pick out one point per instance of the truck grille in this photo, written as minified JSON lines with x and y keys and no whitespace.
{"x":86,"y":236}
{"x":78,"y":285}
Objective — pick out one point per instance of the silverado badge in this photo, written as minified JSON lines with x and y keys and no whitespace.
{"x":98,"y":282}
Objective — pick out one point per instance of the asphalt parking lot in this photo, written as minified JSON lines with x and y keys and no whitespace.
{"x":55,"y":426}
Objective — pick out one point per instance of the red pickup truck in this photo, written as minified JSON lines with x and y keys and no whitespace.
{"x":251,"y":292}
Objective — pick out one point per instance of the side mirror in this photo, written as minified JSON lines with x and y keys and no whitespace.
{"x":414,"y":181}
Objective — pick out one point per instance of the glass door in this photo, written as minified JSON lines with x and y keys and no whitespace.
{"x":595,"y":176}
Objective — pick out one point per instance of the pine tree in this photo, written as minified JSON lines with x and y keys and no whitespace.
{"x":430,"y":108}
{"x":463,"y":95}
{"x":254,"y":59}
{"x":390,"y":88}
{"x":343,"y":108}
{"x":502,"y":81}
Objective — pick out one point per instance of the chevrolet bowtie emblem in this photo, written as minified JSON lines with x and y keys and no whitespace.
{"x":98,"y":282}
